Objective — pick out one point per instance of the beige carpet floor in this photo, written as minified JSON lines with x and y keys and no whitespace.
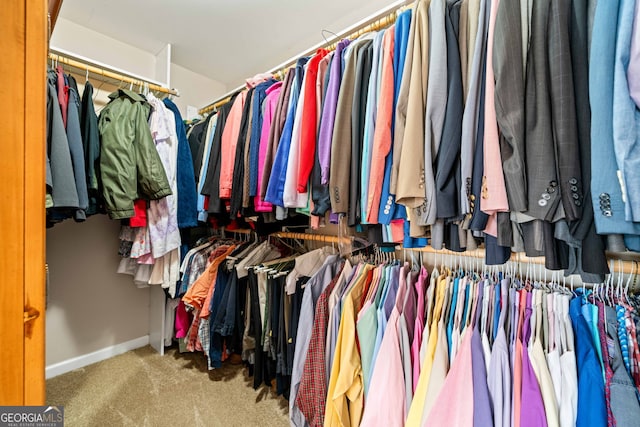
{"x":142,"y":388}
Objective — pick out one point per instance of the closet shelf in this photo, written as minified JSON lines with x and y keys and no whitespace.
{"x":107,"y":74}
{"x":379,"y":20}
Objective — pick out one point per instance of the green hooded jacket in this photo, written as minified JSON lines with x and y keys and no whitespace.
{"x":130,"y":166}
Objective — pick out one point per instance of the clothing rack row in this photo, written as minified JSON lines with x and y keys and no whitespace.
{"x":379,"y":20}
{"x":623,"y":262}
{"x":104,"y":74}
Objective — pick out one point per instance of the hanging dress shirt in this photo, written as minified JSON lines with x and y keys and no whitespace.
{"x":416,"y":410}
{"x":345,"y":401}
{"x":313,"y":288}
{"x":419,"y":326}
{"x":539,"y":362}
{"x":387,"y":381}
{"x":499,"y":372}
{"x":532,"y":409}
{"x":311,"y":397}
{"x":591,"y":402}
{"x":624,"y":401}
{"x":568,"y":401}
{"x":455,"y":404}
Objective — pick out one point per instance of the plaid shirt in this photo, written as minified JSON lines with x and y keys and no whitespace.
{"x":311,"y":398}
{"x":634,"y":349}
{"x":205,"y":339}
{"x":608,"y":371}
{"x":192,"y":341}
{"x":194,"y":269}
{"x":622,"y":336}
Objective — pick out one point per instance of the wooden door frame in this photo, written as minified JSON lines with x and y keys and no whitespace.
{"x":23,"y":41}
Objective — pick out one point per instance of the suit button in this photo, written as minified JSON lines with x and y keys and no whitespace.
{"x":546,"y":196}
{"x":386,"y":211}
{"x":575,"y":196}
{"x":573,"y":181}
{"x":578,"y":203}
{"x":472,"y":197}
{"x":604,"y":196}
{"x":607,"y":213}
{"x":574,"y":188}
{"x":553,"y":183}
{"x":542,"y":202}
{"x":551,"y":189}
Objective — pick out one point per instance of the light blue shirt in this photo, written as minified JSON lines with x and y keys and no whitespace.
{"x":389,"y":294}
{"x":202,"y":212}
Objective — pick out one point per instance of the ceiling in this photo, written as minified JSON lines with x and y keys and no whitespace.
{"x":227,"y":41}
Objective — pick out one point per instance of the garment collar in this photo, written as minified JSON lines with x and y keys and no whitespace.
{"x":129,"y":94}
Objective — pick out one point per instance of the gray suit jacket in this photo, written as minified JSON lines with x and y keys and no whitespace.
{"x":563,"y":108}
{"x":543,"y":191}
{"x":509,"y":101}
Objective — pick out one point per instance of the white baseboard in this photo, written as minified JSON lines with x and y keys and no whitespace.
{"x":97,"y":356}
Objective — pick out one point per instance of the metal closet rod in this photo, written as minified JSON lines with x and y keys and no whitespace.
{"x":315,"y":237}
{"x":379,"y":20}
{"x":629,"y":266}
{"x":107,"y":74}
{"x":620,"y":265}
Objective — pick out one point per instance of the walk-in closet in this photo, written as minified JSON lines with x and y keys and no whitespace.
{"x":342,"y":214}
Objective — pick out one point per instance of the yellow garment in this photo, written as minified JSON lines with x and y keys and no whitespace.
{"x":440,"y":364}
{"x":345,"y":398}
{"x":417,"y":404}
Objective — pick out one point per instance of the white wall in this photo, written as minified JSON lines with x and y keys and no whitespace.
{"x":88,"y":43}
{"x":90,"y":306}
{"x":195,"y":89}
